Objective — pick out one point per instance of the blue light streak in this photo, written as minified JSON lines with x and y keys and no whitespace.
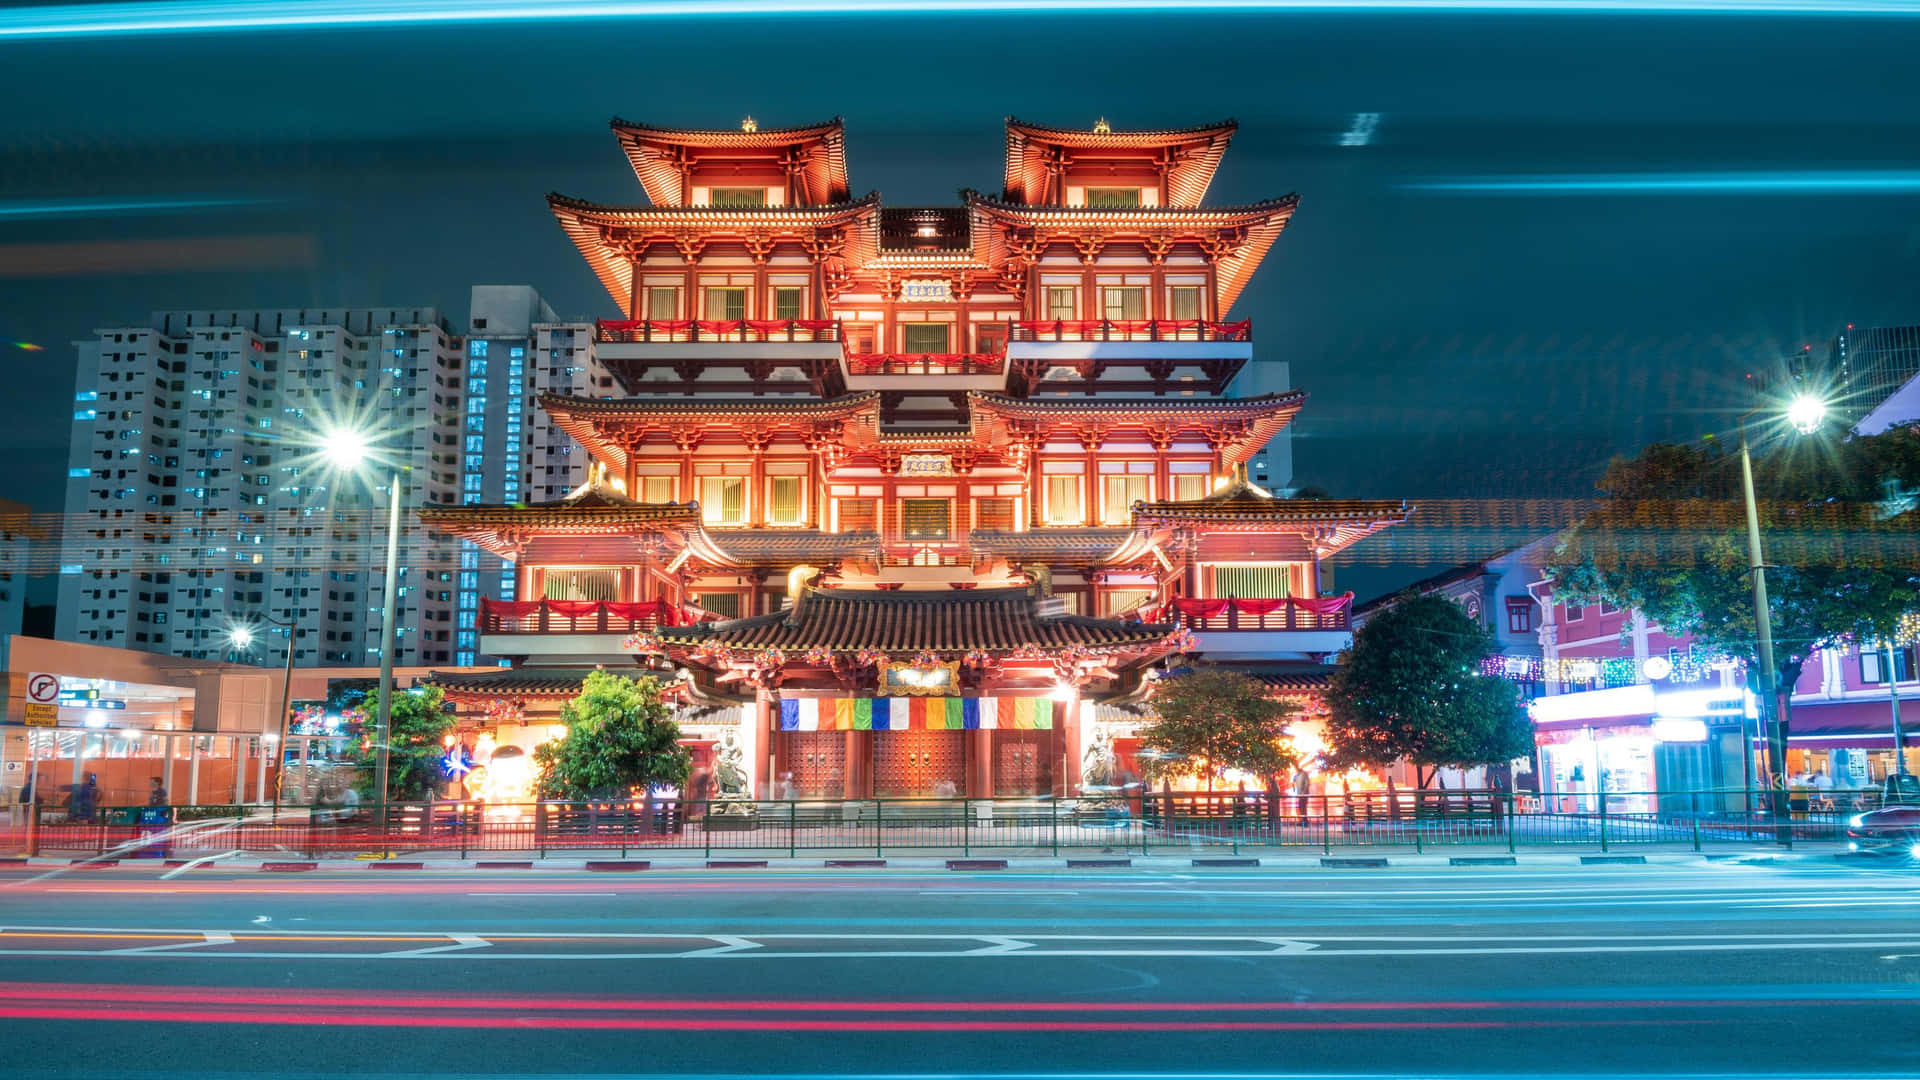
{"x":107,"y":207}
{"x":197,"y":16}
{"x":1703,"y":183}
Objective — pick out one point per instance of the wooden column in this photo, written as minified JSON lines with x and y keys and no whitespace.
{"x":980,"y":764}
{"x":859,"y":778}
{"x":1066,"y":779}
{"x":776,"y":742}
{"x":633,"y":290}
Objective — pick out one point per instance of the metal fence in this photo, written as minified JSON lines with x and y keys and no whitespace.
{"x":1129,"y":823}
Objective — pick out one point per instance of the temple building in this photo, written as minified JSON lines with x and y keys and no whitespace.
{"x":911,"y":500}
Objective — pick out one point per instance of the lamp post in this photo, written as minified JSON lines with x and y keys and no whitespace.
{"x":240,"y":637}
{"x":1893,"y":701}
{"x":1805,"y":413}
{"x":349,"y":450}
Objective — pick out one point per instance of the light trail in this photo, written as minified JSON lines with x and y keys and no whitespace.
{"x":202,"y":16}
{"x":36,"y":210}
{"x":1834,"y":182}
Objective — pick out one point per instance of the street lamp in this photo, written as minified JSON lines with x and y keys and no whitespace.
{"x":1805,"y":412}
{"x":349,"y":449}
{"x":241,"y":637}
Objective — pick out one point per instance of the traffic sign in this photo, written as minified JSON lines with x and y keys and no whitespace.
{"x":41,"y":714}
{"x":42,"y":688}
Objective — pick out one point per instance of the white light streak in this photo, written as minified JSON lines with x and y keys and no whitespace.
{"x":199,"y":16}
{"x":1360,"y":131}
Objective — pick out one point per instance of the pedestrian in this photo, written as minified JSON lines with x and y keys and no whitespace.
{"x":86,"y":796}
{"x":156,"y":792}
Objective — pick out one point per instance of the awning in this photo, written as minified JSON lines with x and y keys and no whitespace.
{"x":922,"y":713}
{"x":1861,"y":724}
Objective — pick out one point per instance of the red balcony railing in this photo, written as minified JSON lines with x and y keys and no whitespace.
{"x":582,"y":616}
{"x":925,"y":363}
{"x":1131,"y":330}
{"x":1291,"y":613}
{"x":718,"y":330}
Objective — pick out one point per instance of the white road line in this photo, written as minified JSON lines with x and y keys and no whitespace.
{"x":727,"y":945}
{"x":210,"y":937}
{"x":460,"y":942}
{"x":999,"y":946}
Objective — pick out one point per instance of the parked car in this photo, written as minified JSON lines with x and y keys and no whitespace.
{"x":1895,"y":827}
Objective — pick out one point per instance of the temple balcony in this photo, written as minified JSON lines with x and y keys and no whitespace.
{"x":1135,"y":356}
{"x":724,"y":358}
{"x":574,"y":631}
{"x":1227,"y":629}
{"x":931,"y":372}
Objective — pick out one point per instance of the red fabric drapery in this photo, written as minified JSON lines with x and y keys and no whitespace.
{"x":719,"y":326}
{"x":1233,"y":331}
{"x":574,"y":609}
{"x":1200,"y":607}
{"x":1260,"y":606}
{"x":1324,"y":606}
{"x":509,"y":609}
{"x":1212,"y":607}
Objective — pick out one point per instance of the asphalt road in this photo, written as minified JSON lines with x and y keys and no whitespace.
{"x":1800,"y":969}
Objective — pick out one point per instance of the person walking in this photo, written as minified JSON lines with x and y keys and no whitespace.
{"x":86,"y":796}
{"x":156,"y":792}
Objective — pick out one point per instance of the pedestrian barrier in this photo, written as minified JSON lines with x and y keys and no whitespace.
{"x":1124,"y":823}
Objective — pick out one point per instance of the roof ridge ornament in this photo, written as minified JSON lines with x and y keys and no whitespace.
{"x":749,"y":125}
{"x":1101,"y":127}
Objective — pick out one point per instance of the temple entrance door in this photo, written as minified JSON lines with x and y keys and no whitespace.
{"x":907,"y":763}
{"x":1022,"y":762}
{"x":818,"y":761}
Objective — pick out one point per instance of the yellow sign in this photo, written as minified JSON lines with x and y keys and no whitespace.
{"x":41,"y":715}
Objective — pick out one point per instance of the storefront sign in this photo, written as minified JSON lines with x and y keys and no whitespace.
{"x":1669,"y":730}
{"x":926,"y":291}
{"x":926,"y":465}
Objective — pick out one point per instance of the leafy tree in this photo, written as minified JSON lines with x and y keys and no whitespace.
{"x":1668,"y":537}
{"x":620,"y":736}
{"x":1213,"y":720}
{"x":1411,"y":689}
{"x":419,"y":722}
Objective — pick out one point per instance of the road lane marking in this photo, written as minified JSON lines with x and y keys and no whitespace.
{"x":178,"y":870}
{"x":460,"y":942}
{"x":210,"y":937}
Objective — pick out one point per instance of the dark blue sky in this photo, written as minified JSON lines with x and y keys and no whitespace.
{"x":1478,"y":346}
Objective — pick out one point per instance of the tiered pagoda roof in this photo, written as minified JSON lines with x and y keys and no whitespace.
{"x":1113,"y":547}
{"x":659,"y":153}
{"x":1239,"y":427}
{"x":607,"y":426}
{"x":1243,"y":506}
{"x":1191,"y":155}
{"x":994,"y":621}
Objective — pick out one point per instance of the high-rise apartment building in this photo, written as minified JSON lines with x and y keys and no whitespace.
{"x":1867,"y":365}
{"x":195,"y":501}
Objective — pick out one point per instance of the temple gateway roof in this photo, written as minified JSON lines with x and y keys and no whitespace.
{"x":999,"y":621}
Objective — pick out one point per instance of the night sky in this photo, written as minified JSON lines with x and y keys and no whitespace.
{"x":1455,"y":344}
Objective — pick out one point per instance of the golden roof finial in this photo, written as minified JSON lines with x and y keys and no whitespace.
{"x":749,"y":125}
{"x":1101,"y":127}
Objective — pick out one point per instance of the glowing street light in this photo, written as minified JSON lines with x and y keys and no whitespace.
{"x":240,"y":637}
{"x":345,"y":448}
{"x":1804,"y":412}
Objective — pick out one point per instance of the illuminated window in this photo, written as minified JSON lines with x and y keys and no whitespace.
{"x":739,"y":196}
{"x":1183,"y":302}
{"x":1063,"y":501}
{"x":787,"y":300}
{"x":1112,"y":197}
{"x":724,"y":604}
{"x":723,"y":500}
{"x":663,"y":303}
{"x":995,"y":513}
{"x":1124,"y":302}
{"x":1120,"y":494}
{"x":925,"y":337}
{"x":1117,"y":602}
{"x":725,"y":303}
{"x":784,"y":506}
{"x":1252,"y":582}
{"x":859,"y":515}
{"x":1063,"y":302}
{"x":1189,"y":486}
{"x":656,"y":489}
{"x":924,"y":519}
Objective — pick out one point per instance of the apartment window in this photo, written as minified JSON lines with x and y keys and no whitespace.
{"x":925,"y":337}
{"x":924,"y":519}
{"x":1063,"y":501}
{"x":1519,"y":615}
{"x":656,"y":489}
{"x":784,"y":506}
{"x":663,"y":303}
{"x":787,"y":301}
{"x":1113,"y":197}
{"x":1124,"y":302}
{"x":738,"y":196}
{"x":723,"y":500}
{"x":1121,"y":492}
{"x":1873,"y":665}
{"x":1183,"y":302}
{"x":1252,"y":582}
{"x":1063,"y":302}
{"x":1189,"y":486}
{"x":1575,"y":612}
{"x":725,"y":302}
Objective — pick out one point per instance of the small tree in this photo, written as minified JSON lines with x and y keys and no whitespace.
{"x":1214,"y":720}
{"x":1411,"y":689}
{"x":416,"y":729}
{"x":620,"y":736}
